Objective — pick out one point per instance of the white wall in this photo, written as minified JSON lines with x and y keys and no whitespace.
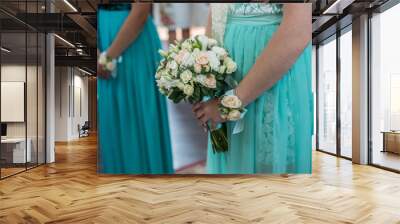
{"x":33,"y":127}
{"x":12,"y":73}
{"x":71,"y":93}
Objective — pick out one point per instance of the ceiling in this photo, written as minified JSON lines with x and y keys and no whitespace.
{"x":75,"y":21}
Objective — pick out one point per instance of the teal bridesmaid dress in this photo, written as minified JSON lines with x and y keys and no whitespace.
{"x":132,"y":115}
{"x":278,"y":125}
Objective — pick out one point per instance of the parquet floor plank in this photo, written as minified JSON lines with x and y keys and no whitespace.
{"x":70,"y":191}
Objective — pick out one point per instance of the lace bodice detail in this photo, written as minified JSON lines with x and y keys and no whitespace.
{"x":221,"y":11}
{"x":246,"y":9}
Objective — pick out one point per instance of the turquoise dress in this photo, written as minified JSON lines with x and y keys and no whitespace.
{"x":278,"y":125}
{"x":133,"y":123}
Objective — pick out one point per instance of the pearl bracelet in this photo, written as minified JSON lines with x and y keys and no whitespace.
{"x":231,"y":107}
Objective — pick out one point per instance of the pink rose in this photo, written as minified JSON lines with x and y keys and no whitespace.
{"x":202,"y":58}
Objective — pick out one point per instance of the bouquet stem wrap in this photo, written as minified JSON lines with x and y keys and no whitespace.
{"x":219,"y":138}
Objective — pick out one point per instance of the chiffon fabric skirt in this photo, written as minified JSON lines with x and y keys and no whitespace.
{"x":278,"y":125}
{"x":133,"y":123}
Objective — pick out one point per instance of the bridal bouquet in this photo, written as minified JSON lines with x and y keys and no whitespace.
{"x":194,"y":70}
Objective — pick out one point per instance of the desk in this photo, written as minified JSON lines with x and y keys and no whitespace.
{"x":16,"y":147}
{"x":391,"y":141}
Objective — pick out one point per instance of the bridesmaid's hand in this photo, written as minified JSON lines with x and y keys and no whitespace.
{"x":208,"y":111}
{"x":101,"y":73}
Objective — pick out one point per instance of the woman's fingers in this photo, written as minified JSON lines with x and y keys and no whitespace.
{"x":199,"y":114}
{"x":101,"y":73}
{"x":196,"y":107}
{"x":204,"y":119}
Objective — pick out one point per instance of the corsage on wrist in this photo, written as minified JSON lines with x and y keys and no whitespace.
{"x":231,"y":107}
{"x":107,"y":63}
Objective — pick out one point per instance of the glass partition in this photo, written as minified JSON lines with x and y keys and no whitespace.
{"x":327,"y":96}
{"x":22,"y":88}
{"x":14,"y":153}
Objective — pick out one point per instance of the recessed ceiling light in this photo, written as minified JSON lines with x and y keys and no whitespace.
{"x":64,"y":40}
{"x":5,"y":50}
{"x":338,"y":6}
{"x":84,"y":71}
{"x":70,"y":5}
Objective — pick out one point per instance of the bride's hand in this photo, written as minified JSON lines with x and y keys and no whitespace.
{"x":208,"y":111}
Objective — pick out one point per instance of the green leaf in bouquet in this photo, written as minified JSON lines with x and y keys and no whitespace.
{"x":204,"y":91}
{"x":220,"y":84}
{"x":219,"y":77}
{"x":197,"y":92}
{"x":230,"y":81}
{"x":192,"y":100}
{"x":176,"y":95}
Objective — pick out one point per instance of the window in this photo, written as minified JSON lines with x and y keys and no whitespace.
{"x":385,"y":89}
{"x":346,"y":94}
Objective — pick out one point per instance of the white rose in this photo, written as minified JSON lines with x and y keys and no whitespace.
{"x":210,"y":81}
{"x":234,"y":115}
{"x":167,"y":83}
{"x":203,"y":41}
{"x":180,"y":85}
{"x":102,"y":59}
{"x":172,"y":65}
{"x":110,"y":66}
{"x":220,"y":52}
{"x":187,"y":45}
{"x":165,"y":73}
{"x":174,"y":73}
{"x":200,"y":79}
{"x":179,"y":57}
{"x":222,"y":69}
{"x":160,"y":83}
{"x":230,"y":65}
{"x":186,"y":76}
{"x":188,"y":90}
{"x":197,"y":68}
{"x":188,"y":60}
{"x":212,"y":42}
{"x":213,"y":59}
{"x":202,"y":58}
{"x":195,"y":52}
{"x":231,"y":102}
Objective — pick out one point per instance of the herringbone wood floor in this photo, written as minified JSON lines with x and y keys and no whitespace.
{"x":70,"y":191}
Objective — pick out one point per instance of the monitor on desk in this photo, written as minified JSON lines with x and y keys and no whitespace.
{"x":3,"y":130}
